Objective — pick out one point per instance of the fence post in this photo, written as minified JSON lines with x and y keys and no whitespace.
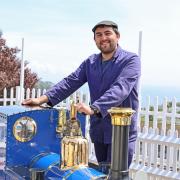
{"x":5,"y":97}
{"x":28,"y":92}
{"x":11,"y":96}
{"x":18,"y":95}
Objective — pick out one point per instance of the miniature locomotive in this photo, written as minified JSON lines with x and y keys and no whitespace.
{"x":44,"y":143}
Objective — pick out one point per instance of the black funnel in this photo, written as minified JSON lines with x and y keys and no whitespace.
{"x":121,"y":119}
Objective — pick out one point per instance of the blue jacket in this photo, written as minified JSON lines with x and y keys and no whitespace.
{"x":115,"y":85}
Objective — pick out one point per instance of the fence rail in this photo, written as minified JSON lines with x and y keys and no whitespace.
{"x":157,"y":149}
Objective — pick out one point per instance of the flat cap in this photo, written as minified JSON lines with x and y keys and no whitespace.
{"x":105,"y":23}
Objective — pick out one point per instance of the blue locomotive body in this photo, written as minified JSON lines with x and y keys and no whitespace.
{"x":31,"y":147}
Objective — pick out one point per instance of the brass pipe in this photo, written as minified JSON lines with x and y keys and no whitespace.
{"x":61,"y":120}
{"x":73,"y":111}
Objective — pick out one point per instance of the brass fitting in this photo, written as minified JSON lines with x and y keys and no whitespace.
{"x":120,"y":116}
{"x":61,"y":120}
{"x":73,"y":111}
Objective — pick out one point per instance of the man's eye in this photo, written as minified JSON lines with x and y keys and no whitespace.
{"x":108,"y":34}
{"x":98,"y":35}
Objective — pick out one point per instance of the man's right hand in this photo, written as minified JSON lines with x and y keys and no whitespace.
{"x":35,"y":101}
{"x":31,"y":101}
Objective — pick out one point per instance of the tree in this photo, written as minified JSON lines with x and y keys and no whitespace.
{"x":10,"y":67}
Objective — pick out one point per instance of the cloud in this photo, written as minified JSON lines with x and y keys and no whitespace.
{"x":58,"y":35}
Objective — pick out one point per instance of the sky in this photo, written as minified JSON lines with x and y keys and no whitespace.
{"x":57,"y":34}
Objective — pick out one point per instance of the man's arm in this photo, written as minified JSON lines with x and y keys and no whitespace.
{"x":61,"y":90}
{"x":67,"y":86}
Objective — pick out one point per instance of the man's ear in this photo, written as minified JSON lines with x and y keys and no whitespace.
{"x":118,"y":36}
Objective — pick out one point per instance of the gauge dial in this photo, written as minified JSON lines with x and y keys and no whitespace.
{"x":24,"y":129}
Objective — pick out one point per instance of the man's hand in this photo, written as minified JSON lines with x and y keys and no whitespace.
{"x":31,"y":101}
{"x":82,"y":108}
{"x":35,"y":101}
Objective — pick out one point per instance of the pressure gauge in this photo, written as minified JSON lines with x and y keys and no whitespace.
{"x":24,"y":129}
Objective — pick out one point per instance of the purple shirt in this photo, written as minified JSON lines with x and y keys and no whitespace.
{"x":115,"y":85}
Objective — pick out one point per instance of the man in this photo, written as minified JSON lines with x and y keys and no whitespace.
{"x":112,"y":76}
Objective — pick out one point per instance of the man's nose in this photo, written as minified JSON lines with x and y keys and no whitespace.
{"x":103,"y":37}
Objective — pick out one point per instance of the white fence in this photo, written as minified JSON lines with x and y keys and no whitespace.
{"x":157,"y":151}
{"x":12,"y":96}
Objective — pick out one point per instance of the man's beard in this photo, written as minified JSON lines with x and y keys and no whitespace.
{"x":107,"y":50}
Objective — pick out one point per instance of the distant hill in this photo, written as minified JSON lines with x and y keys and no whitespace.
{"x":44,"y":85}
{"x":160,"y":91}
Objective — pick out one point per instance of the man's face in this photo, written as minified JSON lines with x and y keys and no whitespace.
{"x":106,"y":39}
